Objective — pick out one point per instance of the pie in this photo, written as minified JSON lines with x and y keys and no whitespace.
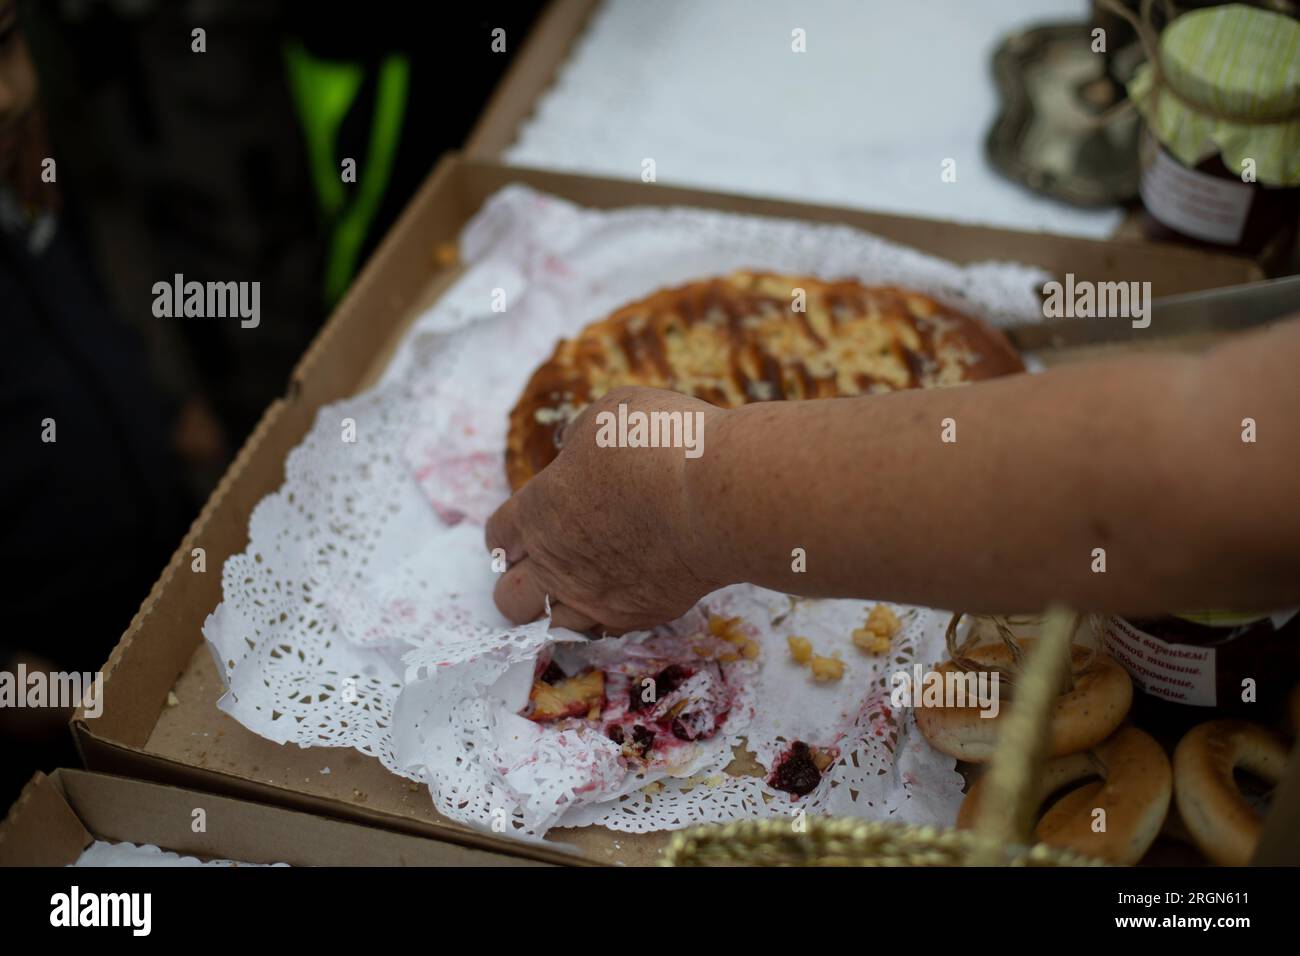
{"x":752,"y":337}
{"x":555,"y":696}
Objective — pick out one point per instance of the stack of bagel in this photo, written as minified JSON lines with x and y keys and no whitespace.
{"x":1107,"y":786}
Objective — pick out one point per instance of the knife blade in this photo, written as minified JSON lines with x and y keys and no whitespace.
{"x":1227,"y":309}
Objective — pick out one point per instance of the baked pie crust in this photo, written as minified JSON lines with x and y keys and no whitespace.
{"x":738,"y":339}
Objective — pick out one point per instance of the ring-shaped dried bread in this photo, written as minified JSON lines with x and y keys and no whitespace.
{"x":1221,"y":821}
{"x":750,"y":337}
{"x":1083,"y":716}
{"x":1134,"y":792}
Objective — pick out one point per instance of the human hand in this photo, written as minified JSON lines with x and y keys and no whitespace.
{"x":605,"y":531}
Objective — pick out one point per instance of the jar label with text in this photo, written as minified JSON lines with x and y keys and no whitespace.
{"x":1196,"y":204}
{"x":1181,"y":673}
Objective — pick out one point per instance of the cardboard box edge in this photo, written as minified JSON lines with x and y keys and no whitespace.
{"x":530,"y":74}
{"x":114,"y":759}
{"x":99,"y":750}
{"x":41,"y":828}
{"x":91,"y":796}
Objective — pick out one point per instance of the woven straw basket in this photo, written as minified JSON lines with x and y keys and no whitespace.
{"x":1001,"y":834}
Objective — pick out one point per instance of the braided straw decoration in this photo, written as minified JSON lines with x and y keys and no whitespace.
{"x":845,"y":841}
{"x":1000,"y":837}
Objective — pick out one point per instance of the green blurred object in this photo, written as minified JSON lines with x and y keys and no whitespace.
{"x":324,"y":92}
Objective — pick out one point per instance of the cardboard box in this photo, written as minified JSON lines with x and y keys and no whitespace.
{"x":193,"y":744}
{"x":57,"y":816}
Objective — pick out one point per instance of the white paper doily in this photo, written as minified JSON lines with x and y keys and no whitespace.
{"x":361,"y":614}
{"x":101,"y":853}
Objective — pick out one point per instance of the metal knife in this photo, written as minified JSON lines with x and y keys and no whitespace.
{"x":1228,"y":309}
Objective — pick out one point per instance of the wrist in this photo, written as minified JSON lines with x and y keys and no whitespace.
{"x":712,"y":545}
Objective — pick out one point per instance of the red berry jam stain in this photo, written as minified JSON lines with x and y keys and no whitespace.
{"x":796,"y":773}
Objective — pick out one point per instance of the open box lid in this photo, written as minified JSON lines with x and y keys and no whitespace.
{"x":41,"y":829}
{"x":58,"y":816}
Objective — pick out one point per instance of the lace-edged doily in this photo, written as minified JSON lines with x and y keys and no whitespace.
{"x":361,"y":616}
{"x":101,"y":853}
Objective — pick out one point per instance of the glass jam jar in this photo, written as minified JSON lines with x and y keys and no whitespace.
{"x":1220,"y":101}
{"x":1192,"y":667}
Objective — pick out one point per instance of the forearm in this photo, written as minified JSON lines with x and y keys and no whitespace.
{"x":1141,"y":457}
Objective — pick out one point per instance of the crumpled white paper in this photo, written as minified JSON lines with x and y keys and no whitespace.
{"x":361,"y":615}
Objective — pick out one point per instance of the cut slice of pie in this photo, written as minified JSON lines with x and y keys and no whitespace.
{"x":751,"y":337}
{"x":555,"y":696}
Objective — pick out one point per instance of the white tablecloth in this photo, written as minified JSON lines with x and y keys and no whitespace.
{"x":886,"y":91}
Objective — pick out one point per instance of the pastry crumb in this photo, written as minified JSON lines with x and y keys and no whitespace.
{"x":446,"y":253}
{"x":876,"y":635}
{"x":727,"y":628}
{"x":870,"y":642}
{"x":883,"y":621}
{"x":826,"y":669}
{"x":800,"y":649}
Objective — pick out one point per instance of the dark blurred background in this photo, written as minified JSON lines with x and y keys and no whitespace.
{"x":222,"y":165}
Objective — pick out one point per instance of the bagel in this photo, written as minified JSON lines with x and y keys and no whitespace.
{"x":1134,"y":791}
{"x":1083,"y":717}
{"x":1222,"y":823}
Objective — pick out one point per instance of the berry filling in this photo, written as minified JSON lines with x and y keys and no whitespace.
{"x":553,"y":674}
{"x":643,"y":740}
{"x":800,"y":769}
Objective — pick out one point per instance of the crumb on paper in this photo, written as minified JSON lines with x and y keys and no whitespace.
{"x":876,"y":635}
{"x":883,"y":621}
{"x":358,"y":796}
{"x":654,"y":787}
{"x":325,"y":770}
{"x":870,"y":642}
{"x":172,"y":699}
{"x":800,"y":649}
{"x":727,"y":628}
{"x":826,"y":669}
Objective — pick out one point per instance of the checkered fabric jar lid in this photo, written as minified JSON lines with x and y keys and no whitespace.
{"x":1227,"y":83}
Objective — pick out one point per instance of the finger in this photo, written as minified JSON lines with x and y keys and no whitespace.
{"x":564,"y":616}
{"x":502,"y":531}
{"x":518,"y":595}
